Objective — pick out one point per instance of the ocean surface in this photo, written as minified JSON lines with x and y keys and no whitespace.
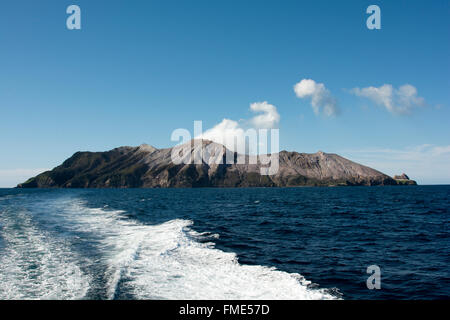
{"x":256,"y":243}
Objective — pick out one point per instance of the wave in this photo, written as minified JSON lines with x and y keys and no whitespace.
{"x":139,"y":261}
{"x":33,"y":265}
{"x":173,"y":261}
{"x":7,"y":197}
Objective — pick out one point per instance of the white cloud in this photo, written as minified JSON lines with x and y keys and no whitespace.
{"x":428,"y":164}
{"x":225,"y":133}
{"x":233,"y":134}
{"x":321,"y":99}
{"x":270,"y":117}
{"x":398,"y":101}
{"x":12,"y":177}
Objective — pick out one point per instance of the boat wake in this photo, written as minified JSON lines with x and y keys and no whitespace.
{"x":33,"y":265}
{"x":139,"y":261}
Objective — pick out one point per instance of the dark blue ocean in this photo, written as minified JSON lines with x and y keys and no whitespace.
{"x":256,"y":243}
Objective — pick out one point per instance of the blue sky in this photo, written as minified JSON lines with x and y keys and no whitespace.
{"x":137,"y":70}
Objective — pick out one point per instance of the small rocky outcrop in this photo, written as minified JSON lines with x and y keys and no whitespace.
{"x":403,"y":179}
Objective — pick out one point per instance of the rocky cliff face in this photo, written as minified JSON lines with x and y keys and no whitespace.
{"x":148,"y":167}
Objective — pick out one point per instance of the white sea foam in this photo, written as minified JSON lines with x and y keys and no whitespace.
{"x":33,"y":265}
{"x":167,"y":261}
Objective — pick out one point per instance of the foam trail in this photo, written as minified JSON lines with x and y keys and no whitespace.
{"x":172,"y":265}
{"x":33,"y":265}
{"x":167,"y":262}
{"x":126,"y":259}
